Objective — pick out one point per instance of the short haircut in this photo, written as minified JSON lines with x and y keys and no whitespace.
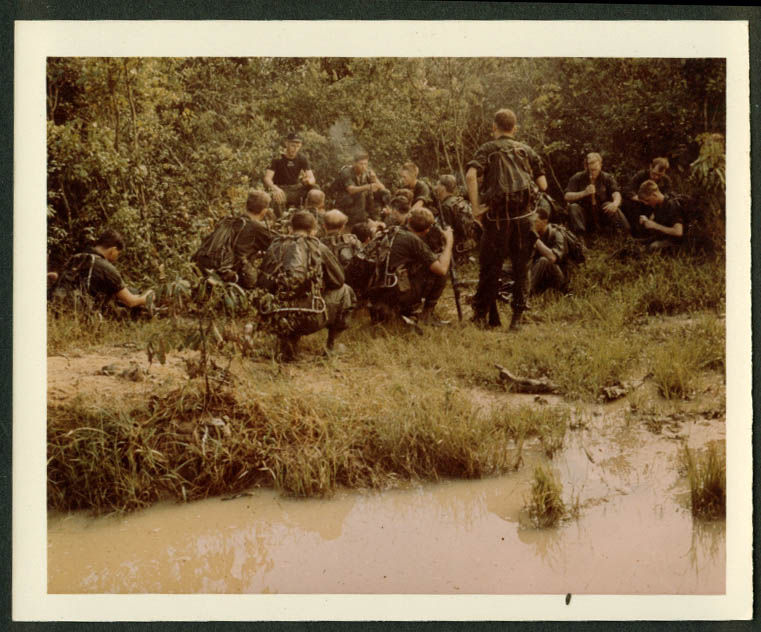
{"x":542,"y":212}
{"x":315,"y":197}
{"x":257,"y":201}
{"x":592,"y":155}
{"x":420,"y":219}
{"x":400,"y":203}
{"x":647,"y":189}
{"x":410,"y":167}
{"x":363,"y":231}
{"x":505,"y":120}
{"x":405,"y":193}
{"x":449,"y":182}
{"x":110,"y":238}
{"x":361,"y":155}
{"x":303,"y":220}
{"x":660,"y":161}
{"x":335,"y":219}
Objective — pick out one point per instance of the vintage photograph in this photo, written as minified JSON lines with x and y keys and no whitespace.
{"x":386,"y":325}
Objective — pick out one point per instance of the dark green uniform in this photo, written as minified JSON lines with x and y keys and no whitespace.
{"x":357,"y":206}
{"x":502,"y":238}
{"x":544,"y":273}
{"x":587,"y":215}
{"x":90,"y":276}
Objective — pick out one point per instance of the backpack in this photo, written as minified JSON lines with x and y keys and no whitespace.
{"x":467,"y":233}
{"x":217,"y":249}
{"x":369,"y":268}
{"x":508,"y":171}
{"x":344,"y":247}
{"x":292,"y":268}
{"x":575,"y":243}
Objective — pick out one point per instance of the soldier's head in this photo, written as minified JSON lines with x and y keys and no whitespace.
{"x":335,"y":221}
{"x":420,"y":220}
{"x":110,"y":244}
{"x":649,"y":193}
{"x":593,"y":164}
{"x":303,"y":222}
{"x":361,"y":162}
{"x":408,"y":174}
{"x":257,"y":202}
{"x":504,"y":122}
{"x":363,"y":231}
{"x":445,"y":187}
{"x":315,"y":199}
{"x":658,"y":168}
{"x":541,"y":219}
{"x":293,"y":143}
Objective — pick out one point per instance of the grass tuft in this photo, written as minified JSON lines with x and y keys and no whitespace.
{"x":545,"y":506}
{"x":707,"y":475}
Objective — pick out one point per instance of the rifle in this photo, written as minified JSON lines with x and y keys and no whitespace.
{"x":452,"y":273}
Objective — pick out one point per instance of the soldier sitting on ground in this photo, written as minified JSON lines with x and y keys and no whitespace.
{"x":344,"y":246}
{"x":231,"y":247}
{"x":91,"y":275}
{"x":305,"y":288}
{"x":421,"y":192}
{"x":420,"y":274}
{"x":314,"y":203}
{"x":664,"y":225}
{"x":632,"y":206}
{"x":456,"y":212}
{"x":594,"y":199}
{"x":548,"y":268}
{"x":289,"y":176}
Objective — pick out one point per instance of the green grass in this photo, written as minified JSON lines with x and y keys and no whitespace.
{"x":396,"y":407}
{"x":707,"y":475}
{"x":545,"y":506}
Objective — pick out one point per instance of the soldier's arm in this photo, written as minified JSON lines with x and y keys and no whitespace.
{"x":131,"y":300}
{"x":471,"y":182}
{"x":441,"y":265}
{"x":546,"y":252}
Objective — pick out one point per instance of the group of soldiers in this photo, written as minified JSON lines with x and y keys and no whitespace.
{"x":393,"y":251}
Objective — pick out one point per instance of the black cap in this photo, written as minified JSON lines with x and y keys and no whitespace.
{"x":294,"y":137}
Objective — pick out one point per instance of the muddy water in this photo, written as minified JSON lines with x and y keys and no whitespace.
{"x":634,"y":533}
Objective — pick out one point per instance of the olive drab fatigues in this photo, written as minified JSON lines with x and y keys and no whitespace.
{"x":507,"y":229}
{"x":545,"y":274}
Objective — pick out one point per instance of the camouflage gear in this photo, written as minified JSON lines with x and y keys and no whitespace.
{"x":457,"y":213}
{"x":88,"y":279}
{"x":304,"y":285}
{"x":344,"y":246}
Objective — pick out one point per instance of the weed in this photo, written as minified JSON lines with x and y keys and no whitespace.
{"x":707,"y":475}
{"x":545,"y":506}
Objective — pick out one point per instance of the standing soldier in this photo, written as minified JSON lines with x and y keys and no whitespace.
{"x":510,"y":171}
{"x":289,"y":176}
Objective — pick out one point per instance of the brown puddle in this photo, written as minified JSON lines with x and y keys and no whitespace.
{"x":634,"y":535}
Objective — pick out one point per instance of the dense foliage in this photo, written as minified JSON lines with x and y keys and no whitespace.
{"x":160,"y":147}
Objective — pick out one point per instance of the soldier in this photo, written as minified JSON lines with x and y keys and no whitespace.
{"x":358,"y":184}
{"x":235,"y":241}
{"x":344,"y":246}
{"x":595,"y":199}
{"x":305,"y":288}
{"x":420,"y":274}
{"x":456,"y":212}
{"x":632,"y":206}
{"x":92,"y":274}
{"x":314,"y":203}
{"x":549,"y":263}
{"x":289,"y":176}
{"x":421,"y":192}
{"x":510,"y":169}
{"x":664,"y":225}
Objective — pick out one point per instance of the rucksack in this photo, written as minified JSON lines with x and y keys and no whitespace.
{"x":344,"y":246}
{"x":508,"y":171}
{"x":575,"y":243}
{"x":217,"y":249}
{"x":369,"y":268}
{"x":459,"y":215}
{"x":292,"y":268}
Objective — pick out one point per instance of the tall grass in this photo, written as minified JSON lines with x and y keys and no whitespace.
{"x":545,"y":506}
{"x":707,"y":475}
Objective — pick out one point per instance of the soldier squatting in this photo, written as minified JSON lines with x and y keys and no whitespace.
{"x":392,"y":251}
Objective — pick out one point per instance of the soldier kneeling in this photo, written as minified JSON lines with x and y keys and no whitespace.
{"x":305,"y":288}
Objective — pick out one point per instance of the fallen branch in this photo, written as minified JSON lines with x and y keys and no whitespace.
{"x":526,"y":384}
